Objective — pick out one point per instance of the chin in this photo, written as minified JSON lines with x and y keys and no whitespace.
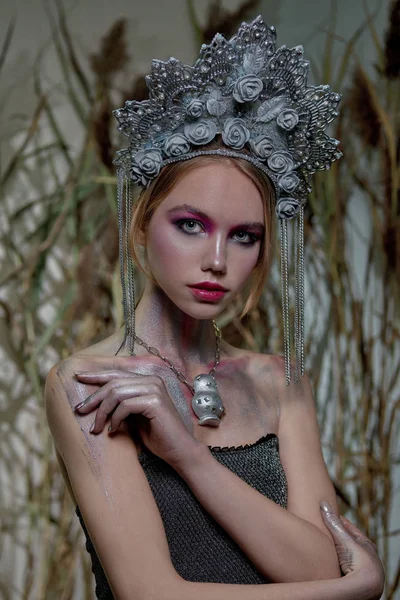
{"x":203,"y":312}
{"x":208,"y":310}
{"x":199,"y":310}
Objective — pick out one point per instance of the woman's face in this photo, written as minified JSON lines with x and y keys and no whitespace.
{"x":209,"y":228}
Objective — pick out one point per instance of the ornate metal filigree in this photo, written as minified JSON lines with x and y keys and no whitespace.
{"x":249,"y":92}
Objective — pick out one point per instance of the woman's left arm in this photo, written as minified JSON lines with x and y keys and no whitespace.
{"x":285,"y":545}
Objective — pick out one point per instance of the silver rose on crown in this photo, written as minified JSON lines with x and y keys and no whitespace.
{"x":252,"y":94}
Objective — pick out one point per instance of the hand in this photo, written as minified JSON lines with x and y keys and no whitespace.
{"x":123,"y":393}
{"x":357,"y":555}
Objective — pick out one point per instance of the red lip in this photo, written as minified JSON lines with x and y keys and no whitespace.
{"x":209,"y":285}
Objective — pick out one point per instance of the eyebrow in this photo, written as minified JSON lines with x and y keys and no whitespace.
{"x":196,"y":211}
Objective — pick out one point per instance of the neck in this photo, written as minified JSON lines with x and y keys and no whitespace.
{"x":184,"y":340}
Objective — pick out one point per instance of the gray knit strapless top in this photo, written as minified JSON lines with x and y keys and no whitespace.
{"x":200,"y":549}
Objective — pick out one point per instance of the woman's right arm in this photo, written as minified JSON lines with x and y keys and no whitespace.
{"x":112,"y":493}
{"x":123,"y":520}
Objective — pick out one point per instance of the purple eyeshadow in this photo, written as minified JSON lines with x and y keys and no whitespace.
{"x":208,"y":226}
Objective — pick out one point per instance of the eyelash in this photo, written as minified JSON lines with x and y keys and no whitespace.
{"x":181,"y":222}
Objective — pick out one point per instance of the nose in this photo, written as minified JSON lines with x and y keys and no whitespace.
{"x":215,"y":254}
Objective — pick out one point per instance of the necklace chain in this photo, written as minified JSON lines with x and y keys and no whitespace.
{"x":169,"y":364}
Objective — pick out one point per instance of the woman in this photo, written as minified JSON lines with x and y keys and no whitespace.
{"x":188,"y":494}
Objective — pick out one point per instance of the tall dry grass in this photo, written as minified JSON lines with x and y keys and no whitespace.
{"x":59,"y":289}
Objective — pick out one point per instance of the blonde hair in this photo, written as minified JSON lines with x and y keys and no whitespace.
{"x":150,"y":198}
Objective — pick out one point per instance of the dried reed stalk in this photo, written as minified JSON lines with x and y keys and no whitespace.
{"x":60,"y":291}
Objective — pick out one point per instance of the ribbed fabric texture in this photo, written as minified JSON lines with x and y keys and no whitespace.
{"x":200,"y":549}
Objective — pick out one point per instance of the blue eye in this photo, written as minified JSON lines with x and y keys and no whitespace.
{"x":188,"y":226}
{"x":251,"y":237}
{"x":185,"y":222}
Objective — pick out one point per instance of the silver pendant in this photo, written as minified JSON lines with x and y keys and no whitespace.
{"x":206,"y":402}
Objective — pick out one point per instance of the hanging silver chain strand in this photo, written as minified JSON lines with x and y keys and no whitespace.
{"x":169,"y":364}
{"x":285,"y":296}
{"x":121,"y":245}
{"x":126,"y":252}
{"x":124,"y":214}
{"x":296,"y":297}
{"x":129,"y":270}
{"x":301,"y":289}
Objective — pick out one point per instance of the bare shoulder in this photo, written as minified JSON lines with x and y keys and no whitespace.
{"x":261,"y":367}
{"x":61,"y":376}
{"x":268,"y":372}
{"x":61,"y":387}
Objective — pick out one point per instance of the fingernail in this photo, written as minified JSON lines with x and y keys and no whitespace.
{"x":326,"y":507}
{"x":91,"y":429}
{"x":78,"y":406}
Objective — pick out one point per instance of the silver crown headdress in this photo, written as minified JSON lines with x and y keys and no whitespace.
{"x":256,"y":97}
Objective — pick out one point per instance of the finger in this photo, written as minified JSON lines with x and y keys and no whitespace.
{"x":104,"y":376}
{"x":333,"y":523}
{"x":100,"y":395}
{"x":115,"y":397}
{"x":359,"y":536}
{"x":353,"y":529}
{"x":91,"y":402}
{"x":128,"y":407}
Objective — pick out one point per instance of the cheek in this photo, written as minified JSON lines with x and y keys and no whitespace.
{"x":168,"y":250}
{"x":245,"y":260}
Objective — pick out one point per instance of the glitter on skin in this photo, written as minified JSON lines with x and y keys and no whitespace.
{"x":95,"y":450}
